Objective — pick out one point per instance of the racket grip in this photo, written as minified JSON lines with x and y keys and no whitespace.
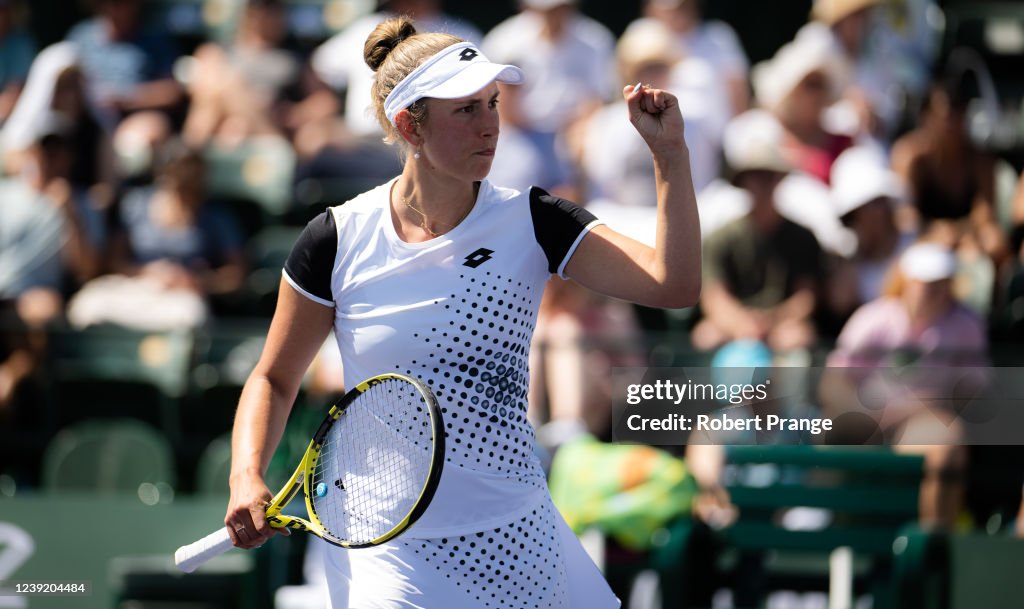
{"x":188,"y":558}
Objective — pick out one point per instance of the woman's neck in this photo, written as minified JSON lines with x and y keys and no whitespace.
{"x":426,"y":205}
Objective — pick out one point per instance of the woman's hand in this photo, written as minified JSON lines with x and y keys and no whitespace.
{"x":246,"y":518}
{"x":657,"y":118}
{"x":713,"y":507}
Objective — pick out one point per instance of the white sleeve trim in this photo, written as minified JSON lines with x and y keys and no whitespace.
{"x":316,"y":299}
{"x":575,"y":244}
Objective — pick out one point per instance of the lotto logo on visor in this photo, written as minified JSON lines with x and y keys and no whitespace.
{"x":456,"y":71}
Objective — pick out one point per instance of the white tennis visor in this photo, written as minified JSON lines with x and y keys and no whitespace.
{"x":456,"y":71}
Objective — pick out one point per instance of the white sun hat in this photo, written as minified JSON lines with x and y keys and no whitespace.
{"x":774,"y":79}
{"x":753,"y":140}
{"x":928,"y":262}
{"x":860,"y":175}
{"x":453,"y":72}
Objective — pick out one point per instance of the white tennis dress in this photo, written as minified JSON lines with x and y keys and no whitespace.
{"x":458,"y":312}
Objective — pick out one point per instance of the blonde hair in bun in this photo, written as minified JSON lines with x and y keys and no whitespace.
{"x":393,"y":50}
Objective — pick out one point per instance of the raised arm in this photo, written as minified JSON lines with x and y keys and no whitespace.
{"x":669,"y":274}
{"x":296,"y":334}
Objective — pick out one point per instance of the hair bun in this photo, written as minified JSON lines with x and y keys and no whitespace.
{"x":384,"y":38}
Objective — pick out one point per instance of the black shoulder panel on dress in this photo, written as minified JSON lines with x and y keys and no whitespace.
{"x":311,"y":262}
{"x":557,"y":224}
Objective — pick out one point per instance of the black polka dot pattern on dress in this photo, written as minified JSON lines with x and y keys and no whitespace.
{"x":517,"y":565}
{"x":478,"y":367}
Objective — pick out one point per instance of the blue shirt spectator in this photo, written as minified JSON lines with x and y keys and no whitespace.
{"x":127,"y":67}
{"x":208,"y":242}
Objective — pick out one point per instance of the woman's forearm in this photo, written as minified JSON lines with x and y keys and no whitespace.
{"x":677,"y":259}
{"x":259,"y":425}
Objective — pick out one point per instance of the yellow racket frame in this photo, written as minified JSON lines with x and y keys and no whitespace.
{"x":303,"y":476}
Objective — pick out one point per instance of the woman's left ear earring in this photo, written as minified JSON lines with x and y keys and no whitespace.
{"x":416,"y":154}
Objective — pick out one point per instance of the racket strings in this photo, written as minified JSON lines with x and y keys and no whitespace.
{"x":373,"y":463}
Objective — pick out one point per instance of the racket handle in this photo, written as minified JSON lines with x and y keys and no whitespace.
{"x":188,"y":558}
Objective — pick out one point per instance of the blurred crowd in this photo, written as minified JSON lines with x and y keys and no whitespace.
{"x":845,"y":205}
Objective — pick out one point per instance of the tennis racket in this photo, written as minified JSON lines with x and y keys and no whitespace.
{"x":368,"y":474}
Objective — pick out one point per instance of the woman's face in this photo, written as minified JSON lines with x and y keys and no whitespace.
{"x":927,"y":301}
{"x":459,"y":136}
{"x":872,"y":222}
{"x":809,"y":99}
{"x":853,"y":29}
{"x":943,"y":115}
{"x":761,"y":184}
{"x":123,"y":15}
{"x":268,"y":23}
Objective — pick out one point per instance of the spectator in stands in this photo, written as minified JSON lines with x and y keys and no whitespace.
{"x":917,"y":311}
{"x":570,"y":60}
{"x":55,"y":86}
{"x":951,"y":181}
{"x":760,"y":270}
{"x":51,"y":237}
{"x":339,"y":61}
{"x":614,"y":160}
{"x":920,"y":329}
{"x":797,"y":85}
{"x":172,"y":251}
{"x":886,"y":65}
{"x":127,"y":66}
{"x":712,"y":41}
{"x":17,"y":48}
{"x":248,"y":87}
{"x":866,"y":196}
{"x":171,"y":229}
{"x":69,"y":250}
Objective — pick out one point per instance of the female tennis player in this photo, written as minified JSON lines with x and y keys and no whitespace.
{"x":438,"y":274}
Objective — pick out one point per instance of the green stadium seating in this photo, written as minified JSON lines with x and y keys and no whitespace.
{"x":986,"y":571}
{"x":111,"y":457}
{"x":214,"y":467}
{"x":255,"y":177}
{"x":109,"y":371}
{"x":225,"y":355}
{"x":870,"y":495}
{"x":108,"y":540}
{"x":313,"y":195}
{"x":267,"y":252}
{"x":153,"y":582}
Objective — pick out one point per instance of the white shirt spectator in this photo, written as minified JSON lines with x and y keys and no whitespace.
{"x":717,"y":43}
{"x":893,"y":65}
{"x":561,"y":75}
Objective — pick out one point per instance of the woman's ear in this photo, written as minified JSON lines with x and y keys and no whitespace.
{"x":407,"y":128}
